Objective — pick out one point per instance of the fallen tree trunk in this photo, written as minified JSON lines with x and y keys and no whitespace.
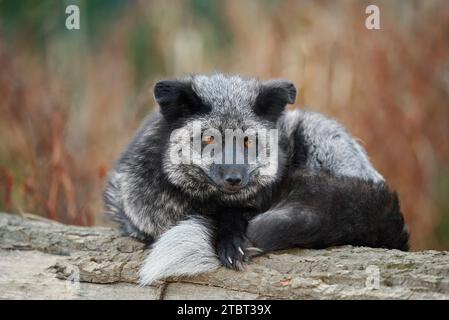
{"x":40,"y":259}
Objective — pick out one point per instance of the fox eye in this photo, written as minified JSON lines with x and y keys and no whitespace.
{"x":208,"y":139}
{"x":248,"y":142}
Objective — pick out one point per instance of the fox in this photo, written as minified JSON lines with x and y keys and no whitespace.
{"x":317,"y":189}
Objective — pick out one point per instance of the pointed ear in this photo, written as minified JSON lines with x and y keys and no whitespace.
{"x":177,"y":99}
{"x":273,"y":97}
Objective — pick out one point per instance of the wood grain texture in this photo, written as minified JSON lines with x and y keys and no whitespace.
{"x":39,"y":259}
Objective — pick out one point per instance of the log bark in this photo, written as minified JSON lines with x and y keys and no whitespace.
{"x":41,"y":259}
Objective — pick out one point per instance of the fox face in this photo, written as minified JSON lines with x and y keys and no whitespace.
{"x":223,"y":138}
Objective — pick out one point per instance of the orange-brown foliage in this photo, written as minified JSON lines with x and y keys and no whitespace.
{"x":66,"y":115}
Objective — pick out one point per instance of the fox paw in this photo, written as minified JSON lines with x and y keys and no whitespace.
{"x":231,"y":251}
{"x":235,"y":250}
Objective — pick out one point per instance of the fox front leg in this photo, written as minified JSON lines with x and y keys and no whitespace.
{"x":231,"y":241}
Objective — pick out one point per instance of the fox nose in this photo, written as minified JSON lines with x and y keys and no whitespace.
{"x":234,"y":179}
{"x":230,"y":178}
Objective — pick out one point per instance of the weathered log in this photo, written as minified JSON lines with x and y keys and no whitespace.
{"x":44,"y":259}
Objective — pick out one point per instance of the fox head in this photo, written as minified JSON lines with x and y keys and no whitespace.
{"x":223,"y":138}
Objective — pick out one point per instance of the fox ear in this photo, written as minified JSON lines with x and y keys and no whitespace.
{"x":273,"y":97}
{"x":177,"y":99}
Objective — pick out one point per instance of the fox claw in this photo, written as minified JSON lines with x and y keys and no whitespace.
{"x":230,"y":251}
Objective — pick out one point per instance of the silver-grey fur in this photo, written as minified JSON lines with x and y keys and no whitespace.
{"x":185,"y":249}
{"x":331,"y":146}
{"x":155,"y":200}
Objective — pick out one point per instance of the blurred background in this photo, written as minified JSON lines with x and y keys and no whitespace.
{"x":71,"y":99}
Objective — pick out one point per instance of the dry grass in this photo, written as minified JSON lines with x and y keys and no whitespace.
{"x":69,"y":106}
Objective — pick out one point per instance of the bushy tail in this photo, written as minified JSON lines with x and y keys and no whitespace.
{"x":327,"y":211}
{"x":186,"y":249}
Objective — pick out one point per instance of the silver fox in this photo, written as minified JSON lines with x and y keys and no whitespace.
{"x":199,"y":216}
